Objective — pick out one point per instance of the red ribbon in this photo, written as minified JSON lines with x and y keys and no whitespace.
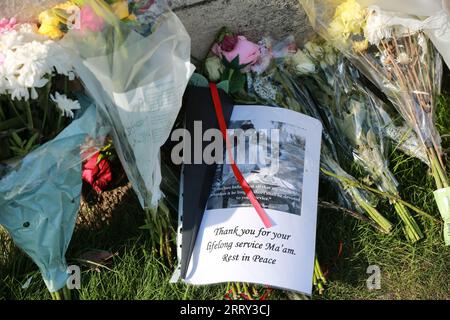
{"x":237,"y":173}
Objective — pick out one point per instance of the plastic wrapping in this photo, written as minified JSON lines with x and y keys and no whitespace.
{"x":442,"y":197}
{"x":40,"y":198}
{"x":431,"y":16}
{"x":276,"y":86}
{"x":137,"y":75}
{"x":357,"y":112}
{"x":355,"y":117}
{"x":392,"y":50}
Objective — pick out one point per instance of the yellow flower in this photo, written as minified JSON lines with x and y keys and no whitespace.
{"x":50,"y":25}
{"x":132,"y":17}
{"x":65,"y":6}
{"x":50,"y":20}
{"x":360,"y":46}
{"x":120,"y":9}
{"x":349,"y":18}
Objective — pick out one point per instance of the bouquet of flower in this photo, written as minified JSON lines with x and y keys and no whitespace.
{"x":35,"y":75}
{"x":394,"y":52}
{"x":295,"y":96}
{"x":44,"y":126}
{"x":356,"y":113}
{"x":135,"y":64}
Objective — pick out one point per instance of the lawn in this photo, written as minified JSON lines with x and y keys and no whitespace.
{"x":346,"y":248}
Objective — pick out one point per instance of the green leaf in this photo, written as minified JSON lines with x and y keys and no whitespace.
{"x":237,"y":82}
{"x":17,"y":151}
{"x":224,"y":85}
{"x":31,"y":142}
{"x":2,"y":114}
{"x":146,"y":227}
{"x":13,"y":123}
{"x":16,"y":139}
{"x":199,"y":81}
{"x":226,"y":74}
{"x":224,"y":31}
{"x":234,"y":64}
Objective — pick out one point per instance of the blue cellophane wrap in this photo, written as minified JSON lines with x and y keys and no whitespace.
{"x":40,"y":198}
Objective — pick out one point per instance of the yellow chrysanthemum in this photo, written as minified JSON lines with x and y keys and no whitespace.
{"x":120,"y":9}
{"x":51,"y":19}
{"x":349,"y":18}
{"x":64,"y":6}
{"x":360,"y":46}
{"x":49,"y":25}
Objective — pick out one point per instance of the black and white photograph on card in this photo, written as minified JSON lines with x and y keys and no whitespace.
{"x":258,"y":155}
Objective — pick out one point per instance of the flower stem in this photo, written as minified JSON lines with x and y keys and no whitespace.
{"x":412,"y":229}
{"x":373,"y":213}
{"x":29,"y":115}
{"x":16,"y":112}
{"x":46,"y":100}
{"x":381,"y":193}
{"x":438,"y":172}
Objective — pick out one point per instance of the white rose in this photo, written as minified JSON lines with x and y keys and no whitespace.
{"x":315,"y":51}
{"x":302,"y":63}
{"x":214,"y":68}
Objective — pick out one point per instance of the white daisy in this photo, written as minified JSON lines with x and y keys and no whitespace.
{"x":65,"y":105}
{"x":29,"y":60}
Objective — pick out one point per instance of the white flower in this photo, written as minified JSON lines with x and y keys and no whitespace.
{"x":403,"y":58}
{"x":314,"y":50}
{"x":377,"y":27}
{"x":214,"y":68}
{"x":330,"y":56}
{"x":29,"y":62}
{"x":65,"y":104}
{"x":302,"y":64}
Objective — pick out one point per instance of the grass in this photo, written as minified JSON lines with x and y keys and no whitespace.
{"x":419,"y":271}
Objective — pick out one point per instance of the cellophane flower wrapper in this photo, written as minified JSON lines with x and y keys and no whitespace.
{"x":392,"y":50}
{"x":40,"y":195}
{"x":348,"y":33}
{"x":276,"y":86}
{"x":136,"y":72}
{"x":358,"y":113}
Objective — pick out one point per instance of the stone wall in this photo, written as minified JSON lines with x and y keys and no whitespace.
{"x":203,"y":18}
{"x":253,"y":18}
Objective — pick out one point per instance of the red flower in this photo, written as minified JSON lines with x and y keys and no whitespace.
{"x":97,"y":174}
{"x":229,"y":42}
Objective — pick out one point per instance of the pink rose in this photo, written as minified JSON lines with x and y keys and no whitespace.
{"x":248,"y":52}
{"x":7,"y":24}
{"x":2,"y":58}
{"x":89,"y":20}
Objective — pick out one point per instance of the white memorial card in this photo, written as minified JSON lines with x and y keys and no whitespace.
{"x":280,"y":159}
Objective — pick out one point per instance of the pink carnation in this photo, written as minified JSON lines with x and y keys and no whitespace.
{"x":7,"y":24}
{"x":89,"y":20}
